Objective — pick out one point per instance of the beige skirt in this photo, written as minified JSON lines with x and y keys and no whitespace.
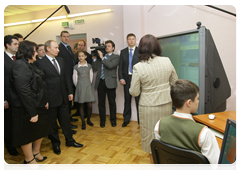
{"x":148,"y":117}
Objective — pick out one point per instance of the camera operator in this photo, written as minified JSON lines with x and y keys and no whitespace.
{"x":106,"y":81}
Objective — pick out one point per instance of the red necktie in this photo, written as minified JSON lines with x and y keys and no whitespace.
{"x":13,"y":58}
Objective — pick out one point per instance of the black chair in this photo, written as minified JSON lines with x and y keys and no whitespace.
{"x":167,"y":154}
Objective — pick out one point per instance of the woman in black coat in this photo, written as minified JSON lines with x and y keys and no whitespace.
{"x":29,"y":100}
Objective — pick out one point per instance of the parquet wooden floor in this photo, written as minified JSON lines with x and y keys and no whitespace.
{"x":109,"y":145}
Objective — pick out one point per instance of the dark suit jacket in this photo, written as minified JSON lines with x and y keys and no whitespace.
{"x":57,"y":85}
{"x":110,"y":70}
{"x":27,"y":87}
{"x":123,"y":69}
{"x":68,"y":58}
{"x":7,"y":66}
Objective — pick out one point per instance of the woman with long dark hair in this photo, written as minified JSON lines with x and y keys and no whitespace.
{"x":152,"y":78}
{"x":29,"y":101}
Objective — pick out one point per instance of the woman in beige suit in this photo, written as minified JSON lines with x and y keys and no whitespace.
{"x":152,"y":78}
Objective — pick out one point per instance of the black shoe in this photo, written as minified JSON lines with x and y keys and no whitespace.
{"x":73,"y":120}
{"x":74,"y":127}
{"x":114,"y":124}
{"x":12,"y":151}
{"x":74,"y":132}
{"x":102,"y":124}
{"x":76,"y":114}
{"x":125,"y":124}
{"x":84,"y":127}
{"x":38,"y":160}
{"x":90,"y":123}
{"x":40,"y":166}
{"x":56,"y":150}
{"x":74,"y":144}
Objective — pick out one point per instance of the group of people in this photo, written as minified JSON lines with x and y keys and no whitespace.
{"x":44,"y":81}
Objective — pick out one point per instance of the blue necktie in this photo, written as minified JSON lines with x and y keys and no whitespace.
{"x":102,"y":71}
{"x":130,"y":61}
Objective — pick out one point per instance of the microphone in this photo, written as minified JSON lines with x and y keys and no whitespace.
{"x":66,"y":8}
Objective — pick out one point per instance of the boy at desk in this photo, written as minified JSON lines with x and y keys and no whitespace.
{"x":180,"y":129}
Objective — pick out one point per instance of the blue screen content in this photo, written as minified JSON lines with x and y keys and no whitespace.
{"x":183,"y":51}
{"x":229,"y":155}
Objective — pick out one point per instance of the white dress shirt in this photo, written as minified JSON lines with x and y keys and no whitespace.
{"x":75,"y":74}
{"x":10,"y":55}
{"x":207,"y":140}
{"x":50,"y":59}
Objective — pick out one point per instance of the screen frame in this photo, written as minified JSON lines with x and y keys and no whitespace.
{"x":229,"y":122}
{"x":202,"y":63}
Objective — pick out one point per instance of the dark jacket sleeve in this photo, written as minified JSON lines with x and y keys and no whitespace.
{"x":22,"y":76}
{"x":120,"y":68}
{"x":95,"y":65}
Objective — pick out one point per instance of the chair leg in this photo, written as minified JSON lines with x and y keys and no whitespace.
{"x":151,"y":158}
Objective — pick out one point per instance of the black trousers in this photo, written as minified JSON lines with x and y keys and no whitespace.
{"x":62,"y":114}
{"x":127,"y":113}
{"x":111,"y":93}
{"x":8,"y":128}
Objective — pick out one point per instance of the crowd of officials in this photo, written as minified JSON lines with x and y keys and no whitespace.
{"x":43,"y":82}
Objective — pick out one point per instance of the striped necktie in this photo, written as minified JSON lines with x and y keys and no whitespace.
{"x":102,"y":71}
{"x":55,"y":65}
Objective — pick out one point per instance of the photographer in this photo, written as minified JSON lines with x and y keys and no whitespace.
{"x":106,"y":81}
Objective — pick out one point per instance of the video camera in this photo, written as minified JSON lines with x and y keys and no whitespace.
{"x":100,"y":47}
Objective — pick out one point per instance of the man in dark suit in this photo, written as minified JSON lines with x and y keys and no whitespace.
{"x":66,"y":53}
{"x":106,"y":81}
{"x":128,"y":58}
{"x":11,"y":44}
{"x":60,"y":91}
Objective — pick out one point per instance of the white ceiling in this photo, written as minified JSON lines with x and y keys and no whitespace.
{"x":20,"y":9}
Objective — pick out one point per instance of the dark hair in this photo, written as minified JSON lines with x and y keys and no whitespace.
{"x":183,"y":90}
{"x":64,"y":31}
{"x":81,"y":51}
{"x":131,"y":35}
{"x":110,"y":41}
{"x":148,"y":46}
{"x":39,"y":45}
{"x":8,"y":40}
{"x":26,"y":50}
{"x":18,"y":35}
{"x":75,"y":46}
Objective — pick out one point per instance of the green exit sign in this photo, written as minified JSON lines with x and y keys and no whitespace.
{"x":65,"y":24}
{"x":79,"y":21}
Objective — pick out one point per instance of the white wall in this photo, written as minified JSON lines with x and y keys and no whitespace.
{"x":157,"y":20}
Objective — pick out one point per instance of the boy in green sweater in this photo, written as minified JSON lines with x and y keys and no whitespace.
{"x":180,"y":129}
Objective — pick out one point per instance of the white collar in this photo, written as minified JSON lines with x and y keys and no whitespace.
{"x":132,"y":48}
{"x":9,"y":54}
{"x":85,"y":65}
{"x":50,"y":58}
{"x":183,"y":115}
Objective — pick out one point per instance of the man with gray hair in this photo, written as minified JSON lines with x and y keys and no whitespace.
{"x":57,"y":82}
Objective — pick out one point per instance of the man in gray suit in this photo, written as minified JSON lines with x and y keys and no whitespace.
{"x":106,"y":81}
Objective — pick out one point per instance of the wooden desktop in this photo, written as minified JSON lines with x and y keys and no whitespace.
{"x":219,"y":123}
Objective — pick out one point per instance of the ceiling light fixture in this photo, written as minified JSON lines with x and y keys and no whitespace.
{"x":60,"y":17}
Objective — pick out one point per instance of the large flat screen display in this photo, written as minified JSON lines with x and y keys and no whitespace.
{"x":195,"y":57}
